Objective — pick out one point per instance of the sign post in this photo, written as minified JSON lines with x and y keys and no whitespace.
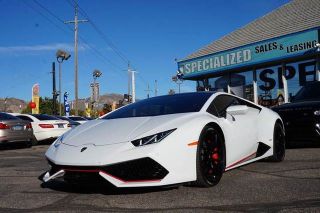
{"x":35,"y":98}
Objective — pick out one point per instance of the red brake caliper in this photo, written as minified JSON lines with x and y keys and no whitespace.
{"x":215,"y":155}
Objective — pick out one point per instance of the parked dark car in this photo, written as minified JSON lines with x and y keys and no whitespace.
{"x":301,"y":117}
{"x":13,"y":129}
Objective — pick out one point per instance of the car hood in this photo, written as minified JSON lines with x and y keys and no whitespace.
{"x":107,"y":132}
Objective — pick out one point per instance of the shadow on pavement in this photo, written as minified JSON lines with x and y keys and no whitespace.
{"x":46,"y":142}
{"x":104,"y":188}
{"x":22,"y":145}
{"x":298,"y":144}
{"x":12,"y":146}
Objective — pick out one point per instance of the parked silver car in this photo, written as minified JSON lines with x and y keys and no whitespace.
{"x":13,"y":129}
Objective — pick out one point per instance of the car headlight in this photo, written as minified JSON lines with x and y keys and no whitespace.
{"x":317,"y":112}
{"x":156,"y":138}
{"x":58,"y":141}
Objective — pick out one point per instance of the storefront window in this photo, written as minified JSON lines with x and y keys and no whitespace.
{"x":240,"y":84}
{"x":269,"y":82}
{"x":270,"y":85}
{"x":300,"y":73}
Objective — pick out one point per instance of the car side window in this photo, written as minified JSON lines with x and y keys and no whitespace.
{"x":212,"y":110}
{"x":248,"y":104}
{"x":26,"y":118}
{"x":222,"y":102}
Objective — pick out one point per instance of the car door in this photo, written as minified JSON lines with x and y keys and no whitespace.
{"x":239,"y":129}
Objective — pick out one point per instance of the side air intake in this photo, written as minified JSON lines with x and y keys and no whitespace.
{"x":262,"y":149}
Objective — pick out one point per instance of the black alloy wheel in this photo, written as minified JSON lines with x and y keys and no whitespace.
{"x":279,"y":144}
{"x":210,"y":157}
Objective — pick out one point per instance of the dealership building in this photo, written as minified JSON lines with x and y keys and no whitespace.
{"x":267,"y":59}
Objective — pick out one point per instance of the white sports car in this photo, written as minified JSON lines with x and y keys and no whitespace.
{"x":188,"y":137}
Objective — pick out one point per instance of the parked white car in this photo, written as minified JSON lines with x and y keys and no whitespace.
{"x":45,"y":126}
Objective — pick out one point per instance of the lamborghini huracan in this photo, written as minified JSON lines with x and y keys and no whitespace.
{"x":166,"y":140}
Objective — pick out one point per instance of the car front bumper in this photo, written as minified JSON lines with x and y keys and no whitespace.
{"x":122,"y":164}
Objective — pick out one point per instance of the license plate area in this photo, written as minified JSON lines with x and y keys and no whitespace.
{"x":60,"y":126}
{"x":17,"y":128}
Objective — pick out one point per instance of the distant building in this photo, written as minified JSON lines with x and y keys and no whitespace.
{"x":276,"y":54}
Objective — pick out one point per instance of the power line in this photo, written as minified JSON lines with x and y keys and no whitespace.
{"x":46,"y":9}
{"x":103,"y":36}
{"x":94,"y":50}
{"x":44,"y":16}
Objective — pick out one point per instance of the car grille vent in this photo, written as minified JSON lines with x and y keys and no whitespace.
{"x":141,"y":169}
{"x":144,"y":169}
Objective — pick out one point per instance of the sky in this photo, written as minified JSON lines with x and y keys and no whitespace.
{"x":151,"y":34}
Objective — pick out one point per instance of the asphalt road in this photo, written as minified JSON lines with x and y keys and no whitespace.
{"x":290,"y":186}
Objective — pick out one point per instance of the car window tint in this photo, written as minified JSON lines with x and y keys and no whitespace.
{"x":44,"y":117}
{"x":222,"y":102}
{"x":248,"y":104}
{"x":5,"y":116}
{"x":26,"y":118}
{"x":63,"y":118}
{"x":212,"y":109}
{"x":75,"y":118}
{"x":309,"y":92}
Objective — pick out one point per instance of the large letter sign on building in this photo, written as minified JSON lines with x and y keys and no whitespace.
{"x":274,"y":49}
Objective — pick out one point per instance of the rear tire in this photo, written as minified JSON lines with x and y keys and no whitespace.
{"x":279,"y":144}
{"x":34,"y":141}
{"x":210,"y":163}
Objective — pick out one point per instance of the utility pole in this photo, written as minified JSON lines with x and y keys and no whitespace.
{"x":155,"y":88}
{"x":54,"y":91}
{"x":129,"y":82}
{"x":133,"y":82}
{"x":60,"y":92}
{"x":75,"y":22}
{"x":5,"y":104}
{"x":131,"y":77}
{"x":148,"y":90}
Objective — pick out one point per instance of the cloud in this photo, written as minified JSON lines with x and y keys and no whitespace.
{"x":40,"y":48}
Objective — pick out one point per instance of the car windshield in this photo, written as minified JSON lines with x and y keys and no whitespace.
{"x":162,"y":105}
{"x":5,"y":116}
{"x":44,"y":117}
{"x":309,"y":92}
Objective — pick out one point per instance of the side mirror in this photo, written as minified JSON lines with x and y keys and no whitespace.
{"x":237,"y":110}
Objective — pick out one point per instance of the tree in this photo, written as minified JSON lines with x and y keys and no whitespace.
{"x":107,"y":108}
{"x":80,"y":112}
{"x":26,"y":110}
{"x":45,"y":106}
{"x":171,"y":92}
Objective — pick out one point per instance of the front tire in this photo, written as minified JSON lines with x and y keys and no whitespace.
{"x":279,"y":144}
{"x":210,"y":157}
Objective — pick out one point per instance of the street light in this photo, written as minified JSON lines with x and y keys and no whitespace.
{"x":95,"y":92}
{"x":61,"y":56}
{"x":178,"y":78}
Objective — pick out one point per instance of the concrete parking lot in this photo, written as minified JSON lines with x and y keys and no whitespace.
{"x":293,"y":185}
